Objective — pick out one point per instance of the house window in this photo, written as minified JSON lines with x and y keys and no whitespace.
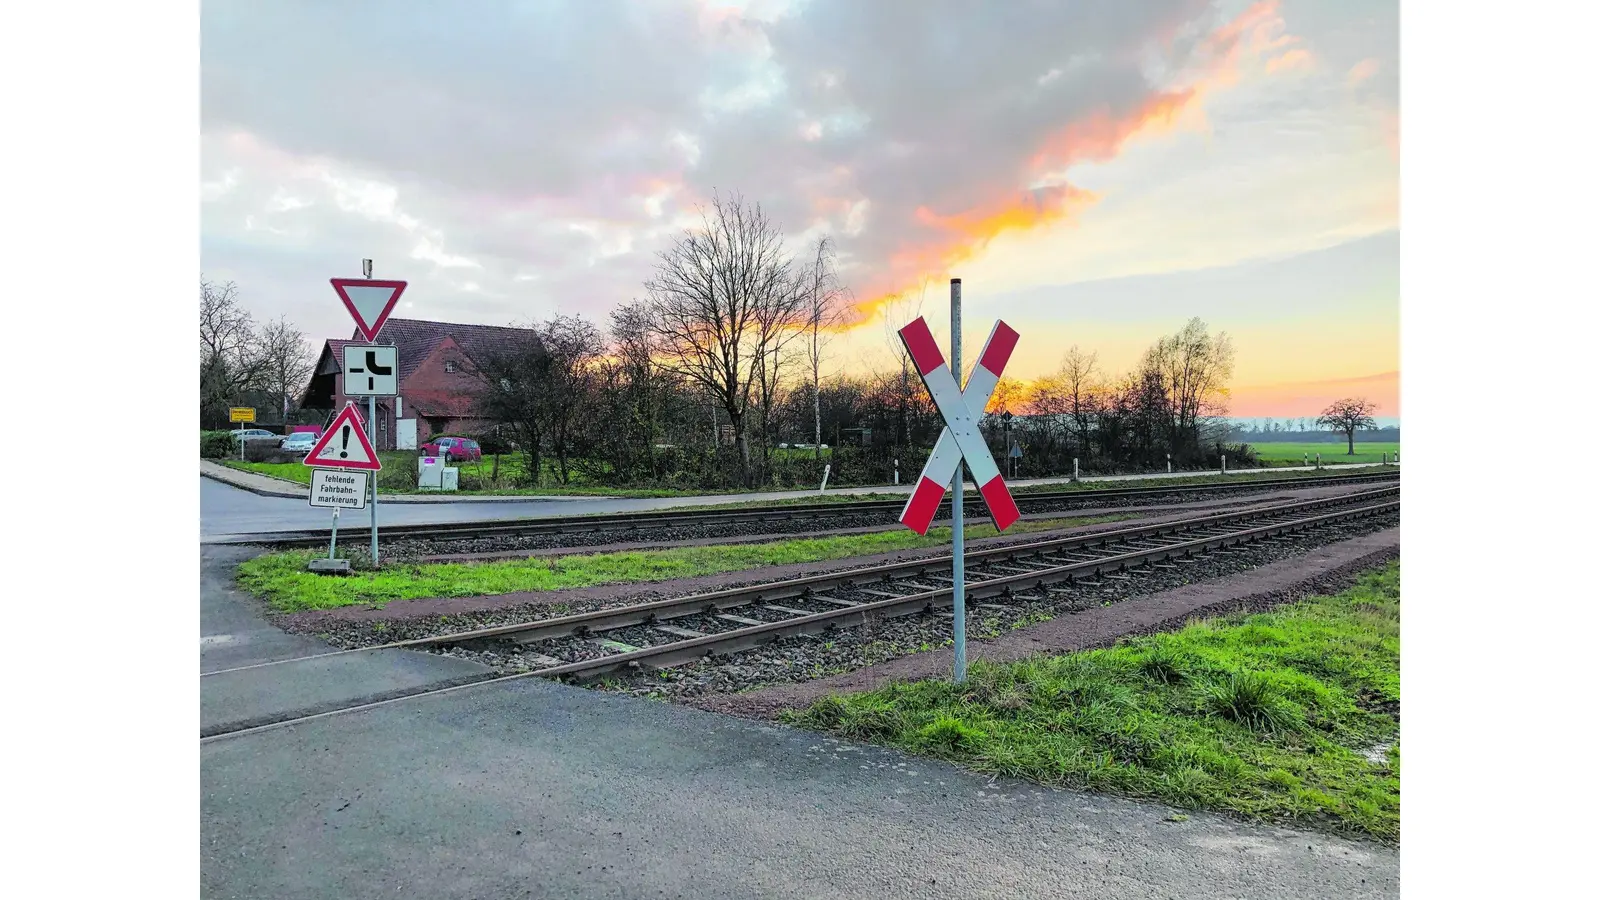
{"x":449,"y":368}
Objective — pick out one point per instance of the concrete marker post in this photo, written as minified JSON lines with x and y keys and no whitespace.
{"x":1224,"y":463}
{"x":1074,"y":468}
{"x":897,"y":471}
{"x":958,"y":536}
{"x":1169,"y":463}
{"x":826,"y":468}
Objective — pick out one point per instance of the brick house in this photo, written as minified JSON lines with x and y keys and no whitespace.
{"x":438,"y":387}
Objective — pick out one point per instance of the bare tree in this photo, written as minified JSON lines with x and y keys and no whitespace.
{"x":286,"y":361}
{"x":718,"y":306}
{"x":230,"y":361}
{"x":1194,"y":368}
{"x":572,"y":347}
{"x":904,"y":381}
{"x":825,"y":301}
{"x":1349,"y":415}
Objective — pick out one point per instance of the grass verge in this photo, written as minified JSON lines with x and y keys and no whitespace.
{"x":282,"y":580}
{"x":1272,"y":716}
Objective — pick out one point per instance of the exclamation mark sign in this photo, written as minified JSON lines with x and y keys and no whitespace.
{"x":344,"y":442}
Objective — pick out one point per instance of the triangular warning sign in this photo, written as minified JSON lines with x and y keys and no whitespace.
{"x":369,"y":302}
{"x":344,"y":445}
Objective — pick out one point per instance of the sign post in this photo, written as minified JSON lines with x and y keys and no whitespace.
{"x":342,"y":448}
{"x":369,"y":303}
{"x":241,"y":414}
{"x":960,"y":445}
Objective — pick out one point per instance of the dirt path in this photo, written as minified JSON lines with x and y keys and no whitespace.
{"x":1325,"y":569}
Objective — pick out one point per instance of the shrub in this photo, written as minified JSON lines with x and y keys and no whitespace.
{"x":217,"y":444}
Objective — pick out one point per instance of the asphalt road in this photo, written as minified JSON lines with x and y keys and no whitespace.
{"x":225,"y":509}
{"x":534,"y":789}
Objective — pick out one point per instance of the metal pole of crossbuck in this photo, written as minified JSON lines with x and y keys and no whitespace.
{"x":958,"y":537}
{"x":372,"y":435}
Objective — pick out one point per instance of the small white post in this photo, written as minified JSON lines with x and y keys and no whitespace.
{"x":1074,"y":468}
{"x":1319,"y":461}
{"x":825,"y":470}
{"x":1305,"y":459}
{"x":1169,"y":463}
{"x":1224,"y":463}
{"x":897,"y":471}
{"x":1397,"y":457}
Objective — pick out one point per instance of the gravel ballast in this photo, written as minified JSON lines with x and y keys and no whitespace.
{"x":1322,"y":570}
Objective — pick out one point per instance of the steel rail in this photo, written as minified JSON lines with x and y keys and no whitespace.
{"x":670,"y":518}
{"x":757,"y":635}
{"x":696,"y":604}
{"x":923,"y":601}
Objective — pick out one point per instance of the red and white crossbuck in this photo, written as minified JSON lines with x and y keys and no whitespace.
{"x":960,"y":439}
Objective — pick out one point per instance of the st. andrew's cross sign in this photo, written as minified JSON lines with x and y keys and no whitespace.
{"x":960,"y":439}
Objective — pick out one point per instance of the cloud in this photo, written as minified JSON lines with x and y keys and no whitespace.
{"x":1363,"y":70}
{"x":533,"y":158}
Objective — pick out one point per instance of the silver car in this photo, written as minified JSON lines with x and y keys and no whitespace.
{"x":299,"y":442}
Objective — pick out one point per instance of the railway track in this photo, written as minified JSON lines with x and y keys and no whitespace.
{"x":888,"y":509}
{"x":683,"y":629}
{"x":666,"y":632}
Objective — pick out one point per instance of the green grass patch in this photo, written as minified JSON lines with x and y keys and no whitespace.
{"x":1269,"y":716}
{"x":1289,"y":453}
{"x":282,"y":580}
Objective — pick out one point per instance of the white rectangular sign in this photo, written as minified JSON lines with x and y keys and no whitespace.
{"x":371,"y":371}
{"x":339,"y":488}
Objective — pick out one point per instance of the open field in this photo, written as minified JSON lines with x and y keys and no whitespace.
{"x":1290,"y":715}
{"x":282,"y":580}
{"x":1289,"y":453}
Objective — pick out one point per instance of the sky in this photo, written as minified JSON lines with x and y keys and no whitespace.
{"x":1095,"y":173}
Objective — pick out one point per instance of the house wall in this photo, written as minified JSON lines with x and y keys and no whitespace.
{"x":451,"y":394}
{"x":430,"y":387}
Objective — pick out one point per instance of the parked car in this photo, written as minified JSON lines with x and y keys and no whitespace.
{"x":254,"y":434}
{"x":455,"y":449}
{"x":299,"y":442}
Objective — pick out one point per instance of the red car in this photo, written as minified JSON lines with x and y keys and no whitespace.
{"x":454,"y":449}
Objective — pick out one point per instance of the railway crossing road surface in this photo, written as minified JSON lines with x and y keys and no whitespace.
{"x":536,"y":789}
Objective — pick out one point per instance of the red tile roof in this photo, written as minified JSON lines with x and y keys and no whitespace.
{"x":417,"y":338}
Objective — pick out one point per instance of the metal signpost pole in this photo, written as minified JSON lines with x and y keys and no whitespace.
{"x":372,"y":435}
{"x":333,"y":540}
{"x":958,"y":537}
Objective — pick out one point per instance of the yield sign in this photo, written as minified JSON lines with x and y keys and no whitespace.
{"x":369,"y":302}
{"x":344,"y":445}
{"x":960,"y":439}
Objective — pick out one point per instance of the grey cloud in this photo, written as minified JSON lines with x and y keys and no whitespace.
{"x":502,"y":123}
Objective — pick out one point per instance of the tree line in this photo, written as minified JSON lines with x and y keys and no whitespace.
{"x":714,"y":378}
{"x":247,"y":363}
